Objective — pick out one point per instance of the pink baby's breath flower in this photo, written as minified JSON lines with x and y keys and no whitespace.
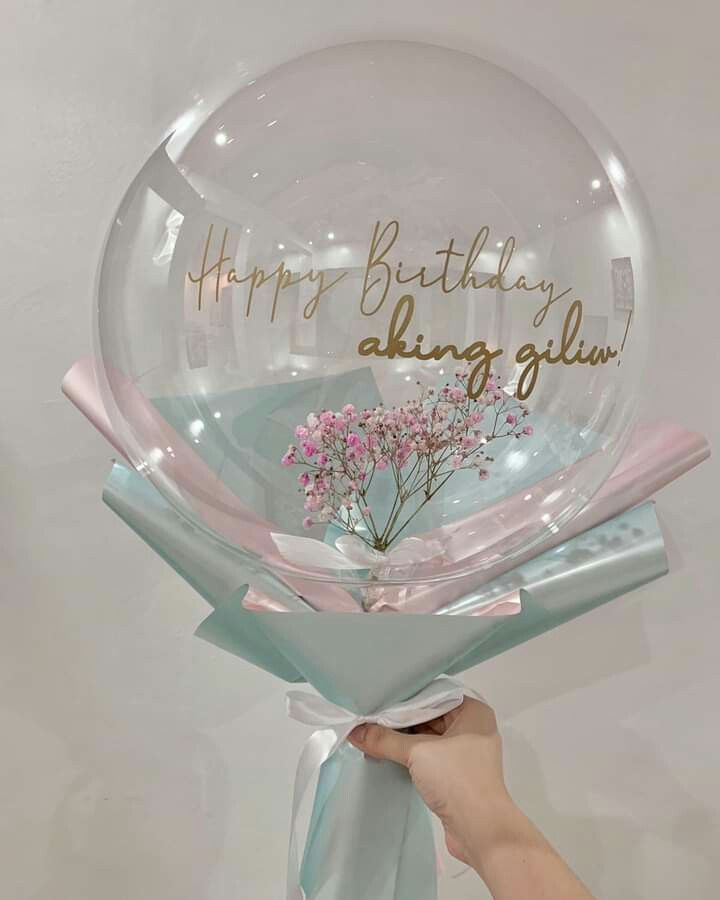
{"x":411,"y":449}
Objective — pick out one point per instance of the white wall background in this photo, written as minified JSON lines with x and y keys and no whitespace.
{"x":138,"y":762}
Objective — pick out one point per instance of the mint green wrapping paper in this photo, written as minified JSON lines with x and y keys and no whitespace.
{"x":370,"y":837}
{"x":252,"y":431}
{"x":206,"y":565}
{"x":598,"y":565}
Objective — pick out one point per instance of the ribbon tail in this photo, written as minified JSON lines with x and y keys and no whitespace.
{"x":413,"y":550}
{"x":317,"y":750}
{"x":303,"y":552}
{"x":358,"y":552}
{"x":438,"y":698}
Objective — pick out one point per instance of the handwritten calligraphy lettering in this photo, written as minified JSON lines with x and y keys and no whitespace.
{"x":565,"y":354}
{"x":453,"y":271}
{"x":380,"y":274}
{"x":256,"y":278}
{"x":396,"y":346}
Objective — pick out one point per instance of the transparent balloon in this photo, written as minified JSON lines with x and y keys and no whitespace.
{"x":380,"y":318}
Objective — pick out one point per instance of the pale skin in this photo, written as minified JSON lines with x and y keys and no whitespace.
{"x":456,"y":764}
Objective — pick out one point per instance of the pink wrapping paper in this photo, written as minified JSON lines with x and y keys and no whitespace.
{"x":215,"y":506}
{"x":656,"y":455}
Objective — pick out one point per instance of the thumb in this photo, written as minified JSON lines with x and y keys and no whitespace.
{"x":384,"y":743}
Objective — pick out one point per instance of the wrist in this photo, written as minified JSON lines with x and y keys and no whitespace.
{"x":494,"y":822}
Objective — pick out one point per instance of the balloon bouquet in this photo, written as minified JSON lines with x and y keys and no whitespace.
{"x":369,"y":340}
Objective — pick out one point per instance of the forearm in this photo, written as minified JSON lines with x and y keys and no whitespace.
{"x":516,"y":861}
{"x":457,"y":769}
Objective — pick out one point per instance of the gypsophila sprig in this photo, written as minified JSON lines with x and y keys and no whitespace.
{"x":422,"y":444}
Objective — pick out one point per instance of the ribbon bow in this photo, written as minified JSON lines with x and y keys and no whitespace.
{"x":351,"y":552}
{"x":334,"y":724}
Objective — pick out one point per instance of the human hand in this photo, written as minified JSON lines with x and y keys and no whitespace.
{"x":455,"y":762}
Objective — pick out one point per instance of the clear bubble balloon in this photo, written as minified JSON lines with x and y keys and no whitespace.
{"x":379,"y":317}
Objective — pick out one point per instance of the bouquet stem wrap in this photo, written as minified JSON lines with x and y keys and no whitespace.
{"x":370,"y":837}
{"x":374,"y":781}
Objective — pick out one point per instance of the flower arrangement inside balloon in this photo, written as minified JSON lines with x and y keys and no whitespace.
{"x":420,"y":445}
{"x":305,"y":291}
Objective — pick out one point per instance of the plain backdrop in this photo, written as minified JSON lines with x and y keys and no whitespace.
{"x":138,"y":762}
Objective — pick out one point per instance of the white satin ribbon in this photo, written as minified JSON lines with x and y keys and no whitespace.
{"x":334,"y":724}
{"x":351,"y":552}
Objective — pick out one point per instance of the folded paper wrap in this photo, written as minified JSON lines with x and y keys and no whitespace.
{"x":334,"y":724}
{"x":383,"y":849}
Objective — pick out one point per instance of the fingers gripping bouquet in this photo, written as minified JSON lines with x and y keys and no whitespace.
{"x":244,"y":281}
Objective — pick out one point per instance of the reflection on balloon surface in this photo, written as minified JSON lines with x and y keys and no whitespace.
{"x":381,"y":316}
